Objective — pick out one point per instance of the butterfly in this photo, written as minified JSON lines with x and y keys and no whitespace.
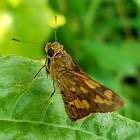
{"x":81,"y":95}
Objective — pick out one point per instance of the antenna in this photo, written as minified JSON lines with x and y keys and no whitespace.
{"x":26,"y":41}
{"x":55,"y":28}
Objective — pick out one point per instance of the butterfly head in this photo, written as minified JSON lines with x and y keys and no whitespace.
{"x":53,"y":48}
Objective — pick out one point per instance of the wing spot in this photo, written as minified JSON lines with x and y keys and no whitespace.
{"x":86,"y":104}
{"x":102,"y":101}
{"x":71,"y":103}
{"x":77,"y":104}
{"x":72,"y":89}
{"x":92,"y":84}
{"x":108,"y":93}
{"x":80,"y":75}
{"x":72,"y":82}
{"x":83,"y":90}
{"x":80,"y":104}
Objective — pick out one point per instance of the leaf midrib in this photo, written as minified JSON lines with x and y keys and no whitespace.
{"x":54,"y":125}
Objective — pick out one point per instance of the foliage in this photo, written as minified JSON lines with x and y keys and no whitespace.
{"x":20,"y":105}
{"x":101,"y":36}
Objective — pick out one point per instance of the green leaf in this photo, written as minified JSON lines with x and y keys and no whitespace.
{"x":21,"y":105}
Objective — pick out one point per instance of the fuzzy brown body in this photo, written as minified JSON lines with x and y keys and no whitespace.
{"x":81,"y":95}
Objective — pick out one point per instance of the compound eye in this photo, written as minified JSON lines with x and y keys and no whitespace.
{"x":50,"y":52}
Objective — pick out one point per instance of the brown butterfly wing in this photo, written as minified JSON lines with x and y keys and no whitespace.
{"x":83,"y":96}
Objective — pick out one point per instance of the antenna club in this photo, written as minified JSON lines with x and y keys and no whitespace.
{"x":16,"y":40}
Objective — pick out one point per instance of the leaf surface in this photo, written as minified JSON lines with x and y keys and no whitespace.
{"x":21,"y":105}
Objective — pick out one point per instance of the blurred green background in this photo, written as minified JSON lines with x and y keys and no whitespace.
{"x":102,"y":36}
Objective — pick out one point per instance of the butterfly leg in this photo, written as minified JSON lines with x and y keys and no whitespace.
{"x":49,"y":98}
{"x":47,"y":62}
{"x":30,"y":78}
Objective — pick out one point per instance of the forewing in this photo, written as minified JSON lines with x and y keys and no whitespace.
{"x":83,"y":96}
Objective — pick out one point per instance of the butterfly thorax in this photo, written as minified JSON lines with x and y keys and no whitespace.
{"x":58,"y":61}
